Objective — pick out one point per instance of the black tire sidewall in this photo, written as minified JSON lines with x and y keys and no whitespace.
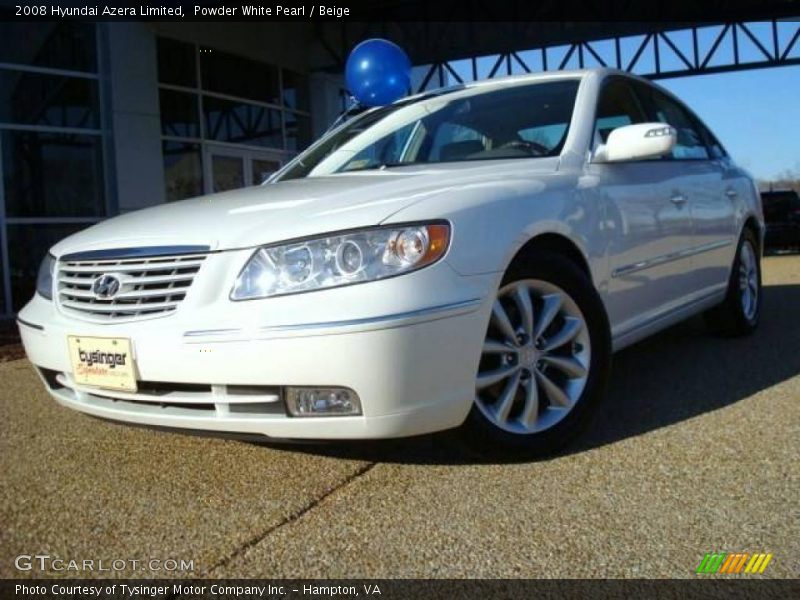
{"x":743,"y":324}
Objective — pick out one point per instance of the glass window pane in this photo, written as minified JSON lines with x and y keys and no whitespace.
{"x":53,"y":174}
{"x":617,"y":107}
{"x":35,"y":99}
{"x":28,"y":244}
{"x":65,"y":45}
{"x":663,"y":109}
{"x":237,"y":76}
{"x":295,"y":91}
{"x":690,"y":144}
{"x":3,"y":307}
{"x":176,"y":63}
{"x":179,"y":114}
{"x":262,"y":169}
{"x":298,"y":132}
{"x":228,"y":172}
{"x":183,"y":170}
{"x":240,"y":123}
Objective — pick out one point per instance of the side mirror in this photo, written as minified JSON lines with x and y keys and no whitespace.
{"x":637,"y":142}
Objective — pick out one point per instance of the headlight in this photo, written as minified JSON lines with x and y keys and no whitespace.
{"x":340,"y":259}
{"x":44,"y":279}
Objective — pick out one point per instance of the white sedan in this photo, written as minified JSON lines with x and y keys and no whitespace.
{"x":469,"y":258}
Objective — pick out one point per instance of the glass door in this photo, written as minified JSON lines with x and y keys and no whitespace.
{"x":227,"y":173}
{"x":228,"y":168}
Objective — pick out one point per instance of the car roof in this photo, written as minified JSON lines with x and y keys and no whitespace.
{"x":499,"y":82}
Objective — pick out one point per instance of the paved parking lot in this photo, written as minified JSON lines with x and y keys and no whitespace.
{"x":695,"y":451}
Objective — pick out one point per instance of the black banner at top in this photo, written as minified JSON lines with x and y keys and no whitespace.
{"x":389,"y":11}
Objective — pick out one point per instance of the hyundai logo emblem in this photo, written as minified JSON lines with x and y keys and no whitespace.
{"x":106,"y":287}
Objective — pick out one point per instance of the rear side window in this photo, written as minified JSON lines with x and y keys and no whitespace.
{"x":691,"y":145}
{"x":617,"y":107}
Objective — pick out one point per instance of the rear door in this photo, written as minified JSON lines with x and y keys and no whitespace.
{"x":647,"y":219}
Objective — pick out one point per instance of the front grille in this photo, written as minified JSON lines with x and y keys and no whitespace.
{"x":147,"y":285}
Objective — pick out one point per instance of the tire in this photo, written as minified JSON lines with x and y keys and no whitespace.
{"x":735,"y":316}
{"x":568,"y":347}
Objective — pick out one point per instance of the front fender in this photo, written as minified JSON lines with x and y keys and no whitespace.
{"x":491,"y":223}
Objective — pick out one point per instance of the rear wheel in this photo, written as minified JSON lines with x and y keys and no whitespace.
{"x":545,"y":360}
{"x":740,"y":311}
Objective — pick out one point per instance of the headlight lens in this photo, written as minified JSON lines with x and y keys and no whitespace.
{"x":340,"y":259}
{"x":44,"y":279}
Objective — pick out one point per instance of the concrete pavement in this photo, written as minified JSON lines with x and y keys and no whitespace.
{"x":695,"y":451}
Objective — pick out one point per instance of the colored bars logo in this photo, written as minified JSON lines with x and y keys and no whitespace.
{"x":722,"y":562}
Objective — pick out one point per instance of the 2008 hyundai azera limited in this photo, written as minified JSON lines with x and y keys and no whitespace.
{"x":470,"y":258}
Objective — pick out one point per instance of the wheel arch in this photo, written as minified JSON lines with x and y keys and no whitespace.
{"x":553,"y":242}
{"x":751,"y":222}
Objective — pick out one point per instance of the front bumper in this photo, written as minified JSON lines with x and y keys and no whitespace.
{"x":414,"y":370}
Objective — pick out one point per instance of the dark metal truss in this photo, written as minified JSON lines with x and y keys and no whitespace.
{"x":651,"y":50}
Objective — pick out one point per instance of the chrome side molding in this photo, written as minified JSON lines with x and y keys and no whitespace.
{"x":31,"y":325}
{"x":661,"y":260}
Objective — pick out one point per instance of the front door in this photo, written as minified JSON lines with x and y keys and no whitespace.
{"x":228,"y":168}
{"x":647,"y":220}
{"x":709,"y":183}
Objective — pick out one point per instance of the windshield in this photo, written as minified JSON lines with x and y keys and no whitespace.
{"x":519,"y":121}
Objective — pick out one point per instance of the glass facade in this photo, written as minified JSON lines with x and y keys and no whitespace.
{"x":52,"y":166}
{"x":212,"y":103}
{"x":226,"y":121}
{"x":183,"y":168}
{"x":30,"y":242}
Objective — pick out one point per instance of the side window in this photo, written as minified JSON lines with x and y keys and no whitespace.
{"x":617,"y":107}
{"x":714,"y":147}
{"x":690,"y":144}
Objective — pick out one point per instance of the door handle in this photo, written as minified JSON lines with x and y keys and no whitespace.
{"x":678,"y":199}
{"x":731,"y":193}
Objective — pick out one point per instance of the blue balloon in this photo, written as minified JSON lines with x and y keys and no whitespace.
{"x":378,"y":72}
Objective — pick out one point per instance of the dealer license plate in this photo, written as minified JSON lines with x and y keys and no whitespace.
{"x":102,"y":362}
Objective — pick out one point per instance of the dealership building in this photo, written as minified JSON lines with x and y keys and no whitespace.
{"x":98,"y":119}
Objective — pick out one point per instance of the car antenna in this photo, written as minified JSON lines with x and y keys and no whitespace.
{"x":352,"y":109}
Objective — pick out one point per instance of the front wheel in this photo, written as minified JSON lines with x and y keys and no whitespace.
{"x":545,"y":360}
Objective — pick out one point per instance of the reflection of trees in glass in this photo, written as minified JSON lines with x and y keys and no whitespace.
{"x":183,"y":173}
{"x":53,"y":174}
{"x":29,"y":244}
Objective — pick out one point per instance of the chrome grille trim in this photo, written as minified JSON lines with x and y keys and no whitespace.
{"x":149,"y":286}
{"x":138,"y":253}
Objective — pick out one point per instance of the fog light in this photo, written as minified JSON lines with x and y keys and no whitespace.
{"x":322,"y":402}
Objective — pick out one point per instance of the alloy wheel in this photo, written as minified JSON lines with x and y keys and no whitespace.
{"x":535,"y":359}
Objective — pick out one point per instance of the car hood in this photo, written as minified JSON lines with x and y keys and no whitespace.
{"x":291,"y":209}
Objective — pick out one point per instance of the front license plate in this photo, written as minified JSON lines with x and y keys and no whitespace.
{"x":102,"y":362}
